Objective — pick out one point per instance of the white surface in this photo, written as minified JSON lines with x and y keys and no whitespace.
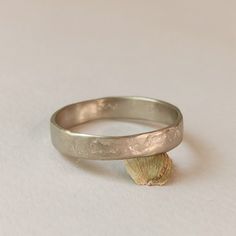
{"x":56,"y":52}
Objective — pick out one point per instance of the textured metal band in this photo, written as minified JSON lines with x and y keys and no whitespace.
{"x":116,"y":147}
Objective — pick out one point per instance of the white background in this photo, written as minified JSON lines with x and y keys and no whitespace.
{"x":53,"y":53}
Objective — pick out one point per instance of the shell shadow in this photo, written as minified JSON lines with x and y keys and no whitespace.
{"x":204,"y":164}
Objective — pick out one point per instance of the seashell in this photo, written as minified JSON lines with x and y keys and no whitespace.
{"x":152,"y":170}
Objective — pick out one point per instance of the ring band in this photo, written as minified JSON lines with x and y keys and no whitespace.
{"x":97,"y":147}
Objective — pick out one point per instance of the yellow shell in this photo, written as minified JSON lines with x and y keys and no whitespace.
{"x":152,"y":170}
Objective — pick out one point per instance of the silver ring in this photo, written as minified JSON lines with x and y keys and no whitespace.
{"x":97,"y":147}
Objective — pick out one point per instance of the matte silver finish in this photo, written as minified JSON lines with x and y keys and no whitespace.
{"x":116,"y":147}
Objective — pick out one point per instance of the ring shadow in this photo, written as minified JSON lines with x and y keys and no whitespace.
{"x":112,"y":170}
{"x":205,"y":161}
